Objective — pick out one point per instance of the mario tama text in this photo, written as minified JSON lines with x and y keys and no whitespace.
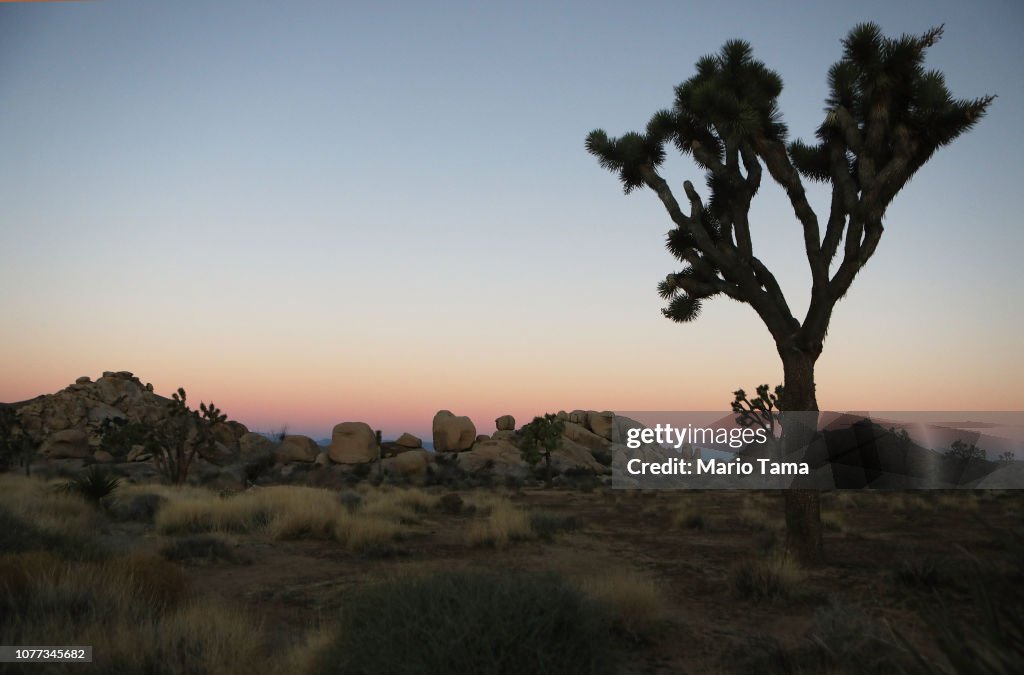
{"x":674,"y":466}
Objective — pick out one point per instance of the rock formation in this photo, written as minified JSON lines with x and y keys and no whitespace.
{"x":353,"y":443}
{"x":452,"y":433}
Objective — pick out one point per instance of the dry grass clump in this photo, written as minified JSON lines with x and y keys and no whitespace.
{"x":690,"y":518}
{"x":307,"y":656}
{"x":833,"y":521}
{"x":299,"y":513}
{"x":44,"y":596}
{"x":400,"y":505}
{"x":291,"y":512}
{"x":133,"y":610}
{"x":908,"y":505}
{"x":502,"y":523}
{"x":959,"y":501}
{"x":359,"y":532}
{"x":757,"y":519}
{"x":634,"y":602}
{"x":773,"y":579}
{"x":45,"y":506}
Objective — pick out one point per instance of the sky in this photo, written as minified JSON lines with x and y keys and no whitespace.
{"x":316,"y":212}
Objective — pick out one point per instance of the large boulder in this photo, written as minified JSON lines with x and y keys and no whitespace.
{"x":505,"y":423}
{"x":578,"y":434}
{"x":407,"y":440}
{"x":410,"y":464}
{"x":296,"y":448}
{"x":499,"y":457}
{"x":67,"y":444}
{"x":255,"y":446}
{"x":575,"y":458}
{"x":453,"y":433}
{"x":138,"y":453}
{"x":224,"y":433}
{"x":353,"y":443}
{"x":101,"y":412}
{"x":601,"y":423}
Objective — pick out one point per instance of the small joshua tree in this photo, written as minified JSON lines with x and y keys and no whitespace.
{"x":182,"y":434}
{"x":539,"y":439}
{"x":762,"y":411}
{"x":16,"y":446}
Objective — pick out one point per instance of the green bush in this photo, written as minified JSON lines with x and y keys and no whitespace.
{"x":470,"y":623}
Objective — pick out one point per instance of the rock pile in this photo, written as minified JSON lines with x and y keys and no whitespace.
{"x":69,"y":424}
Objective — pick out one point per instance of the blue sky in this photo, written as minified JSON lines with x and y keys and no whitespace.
{"x":388,"y":208}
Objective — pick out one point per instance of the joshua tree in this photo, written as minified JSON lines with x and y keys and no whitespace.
{"x":885,"y":116}
{"x":16,"y":445}
{"x":539,"y":439}
{"x":762,"y":410}
{"x":182,"y":434}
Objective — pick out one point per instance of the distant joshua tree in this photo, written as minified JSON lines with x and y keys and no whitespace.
{"x":885,"y":117}
{"x":964,"y":452}
{"x":539,"y":439}
{"x":185,"y":432}
{"x":16,"y":445}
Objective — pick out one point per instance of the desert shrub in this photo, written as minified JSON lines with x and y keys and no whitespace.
{"x":690,"y":518}
{"x":139,"y":506}
{"x":291,"y":512}
{"x":78,"y":600}
{"x":402,"y":505}
{"x":350,"y":499}
{"x":202,"y":549}
{"x":756,"y":519}
{"x":451,"y":504}
{"x":119,"y":435}
{"x":446,"y":471}
{"x":503,"y":524}
{"x":634,"y":603}
{"x":547,"y":525}
{"x":18,"y":535}
{"x":201,"y":638}
{"x":926,"y":573}
{"x":469,"y":623}
{"x":833,"y":521}
{"x":776,"y":578}
{"x":989,"y":643}
{"x":94,"y":484}
{"x":844,"y":638}
{"x":45,"y":508}
{"x":964,"y":452}
{"x":361,"y":471}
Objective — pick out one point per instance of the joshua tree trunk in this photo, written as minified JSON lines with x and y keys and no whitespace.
{"x":803,"y":507}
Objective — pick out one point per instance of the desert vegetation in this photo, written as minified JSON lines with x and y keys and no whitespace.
{"x":489,"y":579}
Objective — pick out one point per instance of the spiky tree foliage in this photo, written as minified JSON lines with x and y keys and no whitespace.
{"x":539,"y":439}
{"x":884,"y":118}
{"x":184,"y":433}
{"x":762,"y":410}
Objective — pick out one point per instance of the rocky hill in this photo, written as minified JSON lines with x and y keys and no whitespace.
{"x":94,"y":422}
